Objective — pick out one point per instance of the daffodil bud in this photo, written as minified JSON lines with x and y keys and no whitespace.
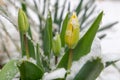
{"x":56,"y":44}
{"x":72,"y":31}
{"x":22,"y":21}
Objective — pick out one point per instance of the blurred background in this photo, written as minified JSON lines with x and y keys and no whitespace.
{"x":87,"y":10}
{"x":111,"y":43}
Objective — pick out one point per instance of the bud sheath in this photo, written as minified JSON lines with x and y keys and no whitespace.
{"x":22,"y":21}
{"x":56,"y":45}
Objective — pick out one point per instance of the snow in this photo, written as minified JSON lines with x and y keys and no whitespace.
{"x":30,"y":59}
{"x":59,"y":73}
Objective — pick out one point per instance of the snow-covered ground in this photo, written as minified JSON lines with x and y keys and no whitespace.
{"x":111,"y":44}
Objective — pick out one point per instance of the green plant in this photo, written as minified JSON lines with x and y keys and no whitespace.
{"x":41,"y":60}
{"x":37,"y":64}
{"x":83,"y":10}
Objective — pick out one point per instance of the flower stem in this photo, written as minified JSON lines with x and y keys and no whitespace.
{"x":56,"y":60}
{"x":26,"y":46}
{"x":70,"y":59}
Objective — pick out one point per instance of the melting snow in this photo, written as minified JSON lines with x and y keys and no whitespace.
{"x":59,"y":73}
{"x":30,"y":59}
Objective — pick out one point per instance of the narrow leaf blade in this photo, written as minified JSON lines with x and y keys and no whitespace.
{"x":79,"y":7}
{"x":64,"y":61}
{"x":31,"y":48}
{"x":108,"y":26}
{"x":22,"y":44}
{"x":108,"y":63}
{"x":64,"y":26}
{"x":38,"y":58}
{"x":47,"y":38}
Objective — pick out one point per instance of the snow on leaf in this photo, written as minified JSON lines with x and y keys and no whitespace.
{"x":59,"y":73}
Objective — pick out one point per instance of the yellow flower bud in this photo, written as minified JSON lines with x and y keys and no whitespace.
{"x":56,"y":44}
{"x":22,"y":21}
{"x":72,"y":31}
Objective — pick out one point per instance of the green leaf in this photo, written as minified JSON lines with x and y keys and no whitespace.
{"x":30,"y":32}
{"x":56,"y":11}
{"x":44,"y":7}
{"x":23,"y":7}
{"x":91,"y":11}
{"x":64,"y":26}
{"x":108,"y":26}
{"x":62,"y":12}
{"x":30,"y":44}
{"x":9,"y":71}
{"x":38,"y":58}
{"x":84,"y":45}
{"x":82,"y":20}
{"x":102,"y":36}
{"x":90,"y":71}
{"x":29,"y":71}
{"x":78,"y":9}
{"x":108,"y":63}
{"x":64,"y":61}
{"x":31,"y":48}
{"x":22,"y":44}
{"x":68,"y":9}
{"x":47,"y":38}
{"x":46,"y":65}
{"x":85,"y":17}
